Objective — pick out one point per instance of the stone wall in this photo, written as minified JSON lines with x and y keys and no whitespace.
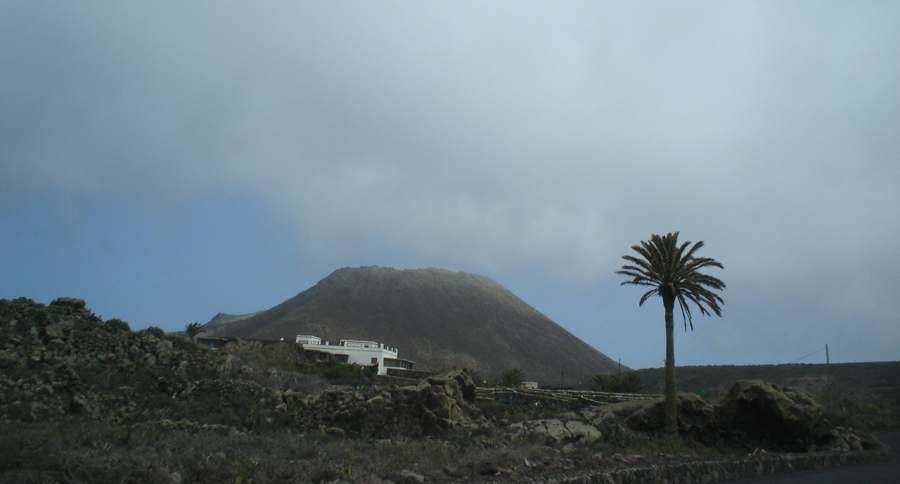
{"x":701,"y":472}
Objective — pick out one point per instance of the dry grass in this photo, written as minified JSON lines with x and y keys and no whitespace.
{"x":77,"y":451}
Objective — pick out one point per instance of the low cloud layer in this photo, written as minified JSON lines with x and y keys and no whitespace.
{"x":493,"y":137}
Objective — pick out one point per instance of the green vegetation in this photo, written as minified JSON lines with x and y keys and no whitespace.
{"x":512,"y":378}
{"x":343,"y":373}
{"x":674,"y":274}
{"x":630,"y":383}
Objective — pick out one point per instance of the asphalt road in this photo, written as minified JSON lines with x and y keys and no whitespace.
{"x":883,"y":473}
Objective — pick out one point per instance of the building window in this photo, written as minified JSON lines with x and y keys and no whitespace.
{"x":374,"y":361}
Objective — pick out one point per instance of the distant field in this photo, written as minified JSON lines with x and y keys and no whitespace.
{"x":874,"y":382}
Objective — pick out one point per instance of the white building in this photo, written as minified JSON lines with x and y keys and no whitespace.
{"x":353,"y":351}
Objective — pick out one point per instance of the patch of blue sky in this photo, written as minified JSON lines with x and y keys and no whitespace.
{"x":151,"y":266}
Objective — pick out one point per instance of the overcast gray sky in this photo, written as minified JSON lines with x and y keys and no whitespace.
{"x":169,"y":160}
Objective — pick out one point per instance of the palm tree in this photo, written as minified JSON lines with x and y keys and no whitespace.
{"x":631,"y":383}
{"x":673,"y":272}
{"x":193,"y":329}
{"x":512,"y":378}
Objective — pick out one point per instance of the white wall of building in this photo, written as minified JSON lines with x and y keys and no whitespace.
{"x":361,"y":352}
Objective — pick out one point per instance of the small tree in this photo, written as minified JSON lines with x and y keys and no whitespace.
{"x":512,"y":378}
{"x":193,"y":329}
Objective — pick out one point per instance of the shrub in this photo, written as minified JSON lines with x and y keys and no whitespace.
{"x":630,"y":383}
{"x":344,"y":373}
{"x":603,"y":383}
{"x":512,"y":378}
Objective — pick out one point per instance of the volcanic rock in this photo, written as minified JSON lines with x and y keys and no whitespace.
{"x":760,"y":410}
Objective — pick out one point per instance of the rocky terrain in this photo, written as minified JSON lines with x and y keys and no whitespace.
{"x":62,"y":360}
{"x":870,"y":390}
{"x":437,"y":318}
{"x":88,"y":400}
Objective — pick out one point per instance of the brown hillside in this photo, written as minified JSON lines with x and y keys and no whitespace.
{"x":437,"y":318}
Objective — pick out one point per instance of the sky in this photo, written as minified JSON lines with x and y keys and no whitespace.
{"x":167,"y":161}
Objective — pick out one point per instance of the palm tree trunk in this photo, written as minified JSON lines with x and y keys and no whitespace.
{"x":671,"y":426}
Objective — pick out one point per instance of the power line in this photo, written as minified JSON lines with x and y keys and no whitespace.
{"x":807,"y":356}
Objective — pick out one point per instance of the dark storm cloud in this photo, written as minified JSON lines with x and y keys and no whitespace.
{"x":500,"y":136}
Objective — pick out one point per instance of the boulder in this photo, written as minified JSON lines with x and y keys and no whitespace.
{"x":761,"y":411}
{"x":583,"y":432}
{"x":456,"y":384}
{"x":8,"y":358}
{"x":555,"y":431}
{"x":753,"y":413}
{"x":696,"y":418}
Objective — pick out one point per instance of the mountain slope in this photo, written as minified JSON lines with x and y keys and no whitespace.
{"x":437,"y":318}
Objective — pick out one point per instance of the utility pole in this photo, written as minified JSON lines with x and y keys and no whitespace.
{"x":827,"y":359}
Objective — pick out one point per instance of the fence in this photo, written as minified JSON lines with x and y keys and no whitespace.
{"x":582,"y":396}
